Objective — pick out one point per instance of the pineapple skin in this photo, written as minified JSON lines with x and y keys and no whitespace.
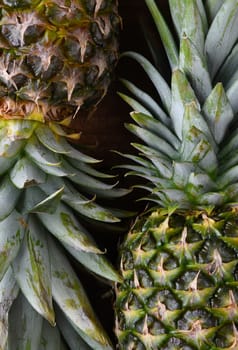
{"x":58,"y":56}
{"x":180,"y":282}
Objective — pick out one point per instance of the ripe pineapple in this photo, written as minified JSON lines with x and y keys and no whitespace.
{"x":180,"y":260}
{"x":56,"y":58}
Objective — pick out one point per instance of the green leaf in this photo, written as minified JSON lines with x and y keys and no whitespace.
{"x":152,"y":107}
{"x":212,"y":8}
{"x":155,"y":77}
{"x":32,"y":270}
{"x":35,"y":201}
{"x":70,"y":296}
{"x":232,"y":96}
{"x":8,"y":293}
{"x":85,"y":180}
{"x":230,"y":146}
{"x":25,"y":326}
{"x":165,"y":34}
{"x":153,"y":125}
{"x":9,"y":147}
{"x":25,"y":174}
{"x":96,"y":263}
{"x":88,"y":169}
{"x":182,"y":94}
{"x":153,"y":140}
{"x":50,"y":337}
{"x":63,"y":225}
{"x":198,"y":145}
{"x":218,"y":112}
{"x":192,"y":26}
{"x":60,"y":145}
{"x":181,"y":173}
{"x":177,"y":10}
{"x":87,"y":208}
{"x":40,"y":154}
{"x":72,"y":337}
{"x":12,"y":231}
{"x":9,"y":195}
{"x":228,"y":68}
{"x":18,"y":129}
{"x":228,"y":177}
{"x":135,"y":105}
{"x":194,"y":66}
{"x":5,"y":164}
{"x":222,"y":35}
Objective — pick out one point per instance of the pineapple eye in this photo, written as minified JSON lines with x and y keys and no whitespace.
{"x":91,"y":75}
{"x":20,"y":3}
{"x":71,"y":49}
{"x":20,"y":80}
{"x":90,"y":5}
{"x":11,"y":34}
{"x":33,"y":34}
{"x":97,"y":34}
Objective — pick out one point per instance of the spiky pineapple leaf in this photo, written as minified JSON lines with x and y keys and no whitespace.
{"x":182,"y":94}
{"x":194,"y":66}
{"x":72,"y":337}
{"x":218,"y":112}
{"x":60,"y":145}
{"x":89,"y":170}
{"x":5,"y":164}
{"x":48,"y":204}
{"x":222,"y":35}
{"x":8,"y":293}
{"x":165,"y":34}
{"x":64,"y":225}
{"x":198,"y":145}
{"x":153,"y":125}
{"x":232,"y":95}
{"x":12,"y":231}
{"x":181,"y":173}
{"x":72,"y":300}
{"x":32,"y":270}
{"x":25,"y":173}
{"x":155,"y":77}
{"x":230,"y":146}
{"x":10,"y":147}
{"x":228,"y":68}
{"x":50,"y":337}
{"x":153,"y":140}
{"x":212,"y":7}
{"x":25,"y":325}
{"x":153,"y":107}
{"x":192,"y":25}
{"x":89,"y":208}
{"x":40,"y":154}
{"x":135,"y":105}
{"x":9,"y":195}
{"x":177,"y":10}
{"x":96,"y":263}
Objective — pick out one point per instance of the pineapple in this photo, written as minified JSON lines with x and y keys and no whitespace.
{"x":179,"y":261}
{"x":57,"y":58}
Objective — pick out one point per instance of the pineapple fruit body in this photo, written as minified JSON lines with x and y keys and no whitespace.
{"x":56,"y":59}
{"x":179,"y":261}
{"x":56,"y":56}
{"x":180,"y":282}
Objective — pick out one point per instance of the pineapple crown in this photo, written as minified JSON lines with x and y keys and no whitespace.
{"x":189,"y":153}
